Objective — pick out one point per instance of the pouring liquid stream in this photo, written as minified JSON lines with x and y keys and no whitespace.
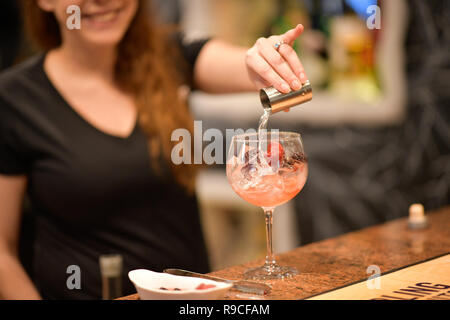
{"x":262,"y":131}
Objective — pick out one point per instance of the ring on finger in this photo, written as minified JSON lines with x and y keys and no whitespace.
{"x":279,"y":44}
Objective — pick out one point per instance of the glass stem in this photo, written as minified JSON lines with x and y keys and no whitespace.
{"x":270,"y":258}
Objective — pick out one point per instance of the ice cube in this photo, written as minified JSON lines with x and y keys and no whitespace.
{"x":252,"y":156}
{"x":249,"y":170}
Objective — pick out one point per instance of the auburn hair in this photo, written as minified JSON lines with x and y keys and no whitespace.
{"x":150,"y":68}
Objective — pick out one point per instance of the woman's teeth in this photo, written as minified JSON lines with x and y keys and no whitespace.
{"x":103,"y":17}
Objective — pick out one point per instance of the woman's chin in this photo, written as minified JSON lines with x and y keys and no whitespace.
{"x":102,"y":38}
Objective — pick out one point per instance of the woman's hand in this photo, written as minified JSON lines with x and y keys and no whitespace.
{"x":280,"y":68}
{"x":225,"y":68}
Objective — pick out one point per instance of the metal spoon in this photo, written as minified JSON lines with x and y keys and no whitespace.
{"x":240,"y":285}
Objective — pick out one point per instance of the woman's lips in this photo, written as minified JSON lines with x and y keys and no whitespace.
{"x":102,"y":17}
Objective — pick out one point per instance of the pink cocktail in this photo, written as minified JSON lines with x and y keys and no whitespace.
{"x":270,"y":190}
{"x":267,"y":170}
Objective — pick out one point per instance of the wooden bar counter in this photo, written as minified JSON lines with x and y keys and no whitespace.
{"x":341,"y":261}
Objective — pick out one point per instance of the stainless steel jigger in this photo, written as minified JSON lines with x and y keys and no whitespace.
{"x":276,"y":101}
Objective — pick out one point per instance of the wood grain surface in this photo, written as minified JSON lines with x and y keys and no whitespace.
{"x":342,"y":261}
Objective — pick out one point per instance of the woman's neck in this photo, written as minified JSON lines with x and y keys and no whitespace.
{"x":94,"y":61}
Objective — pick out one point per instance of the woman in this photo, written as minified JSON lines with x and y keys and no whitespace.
{"x":85,"y":133}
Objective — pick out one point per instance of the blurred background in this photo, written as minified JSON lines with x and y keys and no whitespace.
{"x":376,"y":133}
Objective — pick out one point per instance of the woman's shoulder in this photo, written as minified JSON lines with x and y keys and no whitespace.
{"x":24,"y":71}
{"x":21,"y":84}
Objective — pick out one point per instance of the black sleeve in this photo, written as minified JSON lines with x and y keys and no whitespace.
{"x":13,"y":160}
{"x":190,"y":49}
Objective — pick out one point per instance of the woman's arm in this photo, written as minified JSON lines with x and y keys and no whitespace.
{"x":14,"y":281}
{"x":223,"y":68}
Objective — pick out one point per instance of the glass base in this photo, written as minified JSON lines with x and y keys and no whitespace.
{"x":270,"y":272}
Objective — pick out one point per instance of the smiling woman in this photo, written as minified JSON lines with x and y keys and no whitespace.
{"x":85,"y":126}
{"x":137,"y":46}
{"x":85,"y":132}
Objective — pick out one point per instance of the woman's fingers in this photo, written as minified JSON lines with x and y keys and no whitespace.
{"x":289,"y":54}
{"x":290,"y":36}
{"x":262,"y":68}
{"x":278,"y":62}
{"x":278,"y":66}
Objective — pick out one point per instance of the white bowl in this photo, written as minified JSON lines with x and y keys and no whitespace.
{"x":148,"y":284}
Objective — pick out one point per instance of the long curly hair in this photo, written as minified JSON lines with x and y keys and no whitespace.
{"x":150,"y":68}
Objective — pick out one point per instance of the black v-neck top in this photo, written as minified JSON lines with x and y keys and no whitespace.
{"x":90,"y":193}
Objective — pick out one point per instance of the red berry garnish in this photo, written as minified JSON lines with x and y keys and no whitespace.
{"x":203,"y":286}
{"x":275,"y":151}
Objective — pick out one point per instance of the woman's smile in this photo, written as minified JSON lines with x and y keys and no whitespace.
{"x":102,"y":18}
{"x":102,"y":22}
